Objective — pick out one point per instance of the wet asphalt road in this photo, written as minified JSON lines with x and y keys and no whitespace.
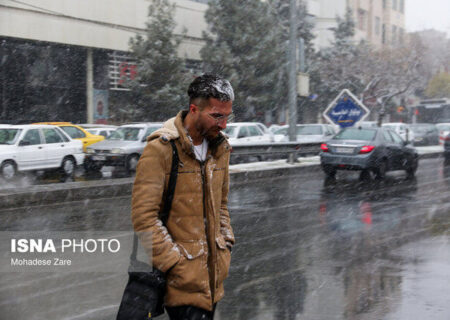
{"x":306,"y":249}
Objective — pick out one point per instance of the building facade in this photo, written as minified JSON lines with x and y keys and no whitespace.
{"x":57,"y":56}
{"x":379,"y":22}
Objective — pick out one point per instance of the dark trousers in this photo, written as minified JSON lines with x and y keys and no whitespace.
{"x":190,"y":313}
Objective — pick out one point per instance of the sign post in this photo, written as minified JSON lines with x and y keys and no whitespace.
{"x":346,"y":110}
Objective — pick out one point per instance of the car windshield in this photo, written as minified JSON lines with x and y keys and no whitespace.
{"x":390,"y":126}
{"x":282,"y":131}
{"x":309,"y":130}
{"x":9,"y":136}
{"x":126,"y":134}
{"x":230,"y":131}
{"x":356,"y":134}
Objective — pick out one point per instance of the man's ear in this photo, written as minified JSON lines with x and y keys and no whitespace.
{"x":193,"y":108}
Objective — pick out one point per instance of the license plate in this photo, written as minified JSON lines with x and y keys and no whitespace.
{"x":98,"y":158}
{"x":344,"y":150}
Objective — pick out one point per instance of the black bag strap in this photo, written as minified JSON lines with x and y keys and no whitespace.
{"x":164,"y":215}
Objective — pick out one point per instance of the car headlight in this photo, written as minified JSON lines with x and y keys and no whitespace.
{"x":117,"y":150}
{"x":89,"y":150}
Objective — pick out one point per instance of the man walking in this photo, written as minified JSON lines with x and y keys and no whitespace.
{"x":195,"y":249}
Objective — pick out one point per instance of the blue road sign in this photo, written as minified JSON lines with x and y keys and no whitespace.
{"x":346,"y":110}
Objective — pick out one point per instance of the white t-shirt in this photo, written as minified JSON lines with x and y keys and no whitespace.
{"x":201,"y":150}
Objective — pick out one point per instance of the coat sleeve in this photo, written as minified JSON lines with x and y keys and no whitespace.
{"x":148,"y":190}
{"x":225,"y":224}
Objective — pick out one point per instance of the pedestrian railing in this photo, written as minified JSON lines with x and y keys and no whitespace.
{"x":265,"y":151}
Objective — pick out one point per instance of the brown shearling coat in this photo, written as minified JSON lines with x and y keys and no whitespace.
{"x":192,"y":249}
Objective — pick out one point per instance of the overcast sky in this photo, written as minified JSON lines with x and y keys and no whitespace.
{"x":425,"y":14}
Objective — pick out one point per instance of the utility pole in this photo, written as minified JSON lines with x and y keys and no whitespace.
{"x":292,"y":65}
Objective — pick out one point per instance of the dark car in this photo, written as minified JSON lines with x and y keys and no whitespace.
{"x":425,"y":134}
{"x":372,"y":150}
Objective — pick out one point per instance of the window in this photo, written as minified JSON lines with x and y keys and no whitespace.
{"x":383,"y":34}
{"x":148,"y":132}
{"x":396,"y":137}
{"x":377,"y":26}
{"x":126,"y":133}
{"x":394,"y":34}
{"x":394,"y":4}
{"x":356,"y":134}
{"x":73,"y":132}
{"x":52,"y":136}
{"x":253,"y":131}
{"x":32,"y":137}
{"x":9,"y":136}
{"x":402,"y":6}
{"x":362,"y":19}
{"x":387,"y":136}
{"x":62,"y":134}
{"x":243,"y":133}
{"x":384,"y":4}
{"x":400,"y":35}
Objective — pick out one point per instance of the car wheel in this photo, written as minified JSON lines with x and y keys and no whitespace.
{"x":68,"y":166}
{"x":132,"y":162}
{"x":329,"y":171}
{"x":91,"y":166}
{"x":411,"y":170}
{"x":8,"y":170}
{"x":380,"y":171}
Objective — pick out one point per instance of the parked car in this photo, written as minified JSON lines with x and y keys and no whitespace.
{"x":371,"y":150}
{"x":444,"y":130}
{"x":37,"y":147}
{"x":245,"y":133}
{"x":77,"y":132}
{"x":425,"y":134}
{"x":122,"y":148}
{"x":402,"y":129}
{"x":306,"y":133}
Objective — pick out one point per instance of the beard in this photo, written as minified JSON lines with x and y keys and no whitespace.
{"x":209,"y":133}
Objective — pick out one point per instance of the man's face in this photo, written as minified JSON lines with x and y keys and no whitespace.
{"x":213,"y":118}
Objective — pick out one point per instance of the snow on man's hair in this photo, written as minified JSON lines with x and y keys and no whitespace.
{"x":211,"y":86}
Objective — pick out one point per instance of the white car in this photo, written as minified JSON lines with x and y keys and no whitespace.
{"x":402,"y":129}
{"x":306,"y":133}
{"x":37,"y":147}
{"x":246,"y":133}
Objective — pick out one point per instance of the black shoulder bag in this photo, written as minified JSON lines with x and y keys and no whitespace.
{"x":144,"y":293}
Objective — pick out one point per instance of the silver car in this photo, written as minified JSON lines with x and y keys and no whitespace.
{"x":122,"y":148}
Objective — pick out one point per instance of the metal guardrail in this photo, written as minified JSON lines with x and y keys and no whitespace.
{"x":265,"y":150}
